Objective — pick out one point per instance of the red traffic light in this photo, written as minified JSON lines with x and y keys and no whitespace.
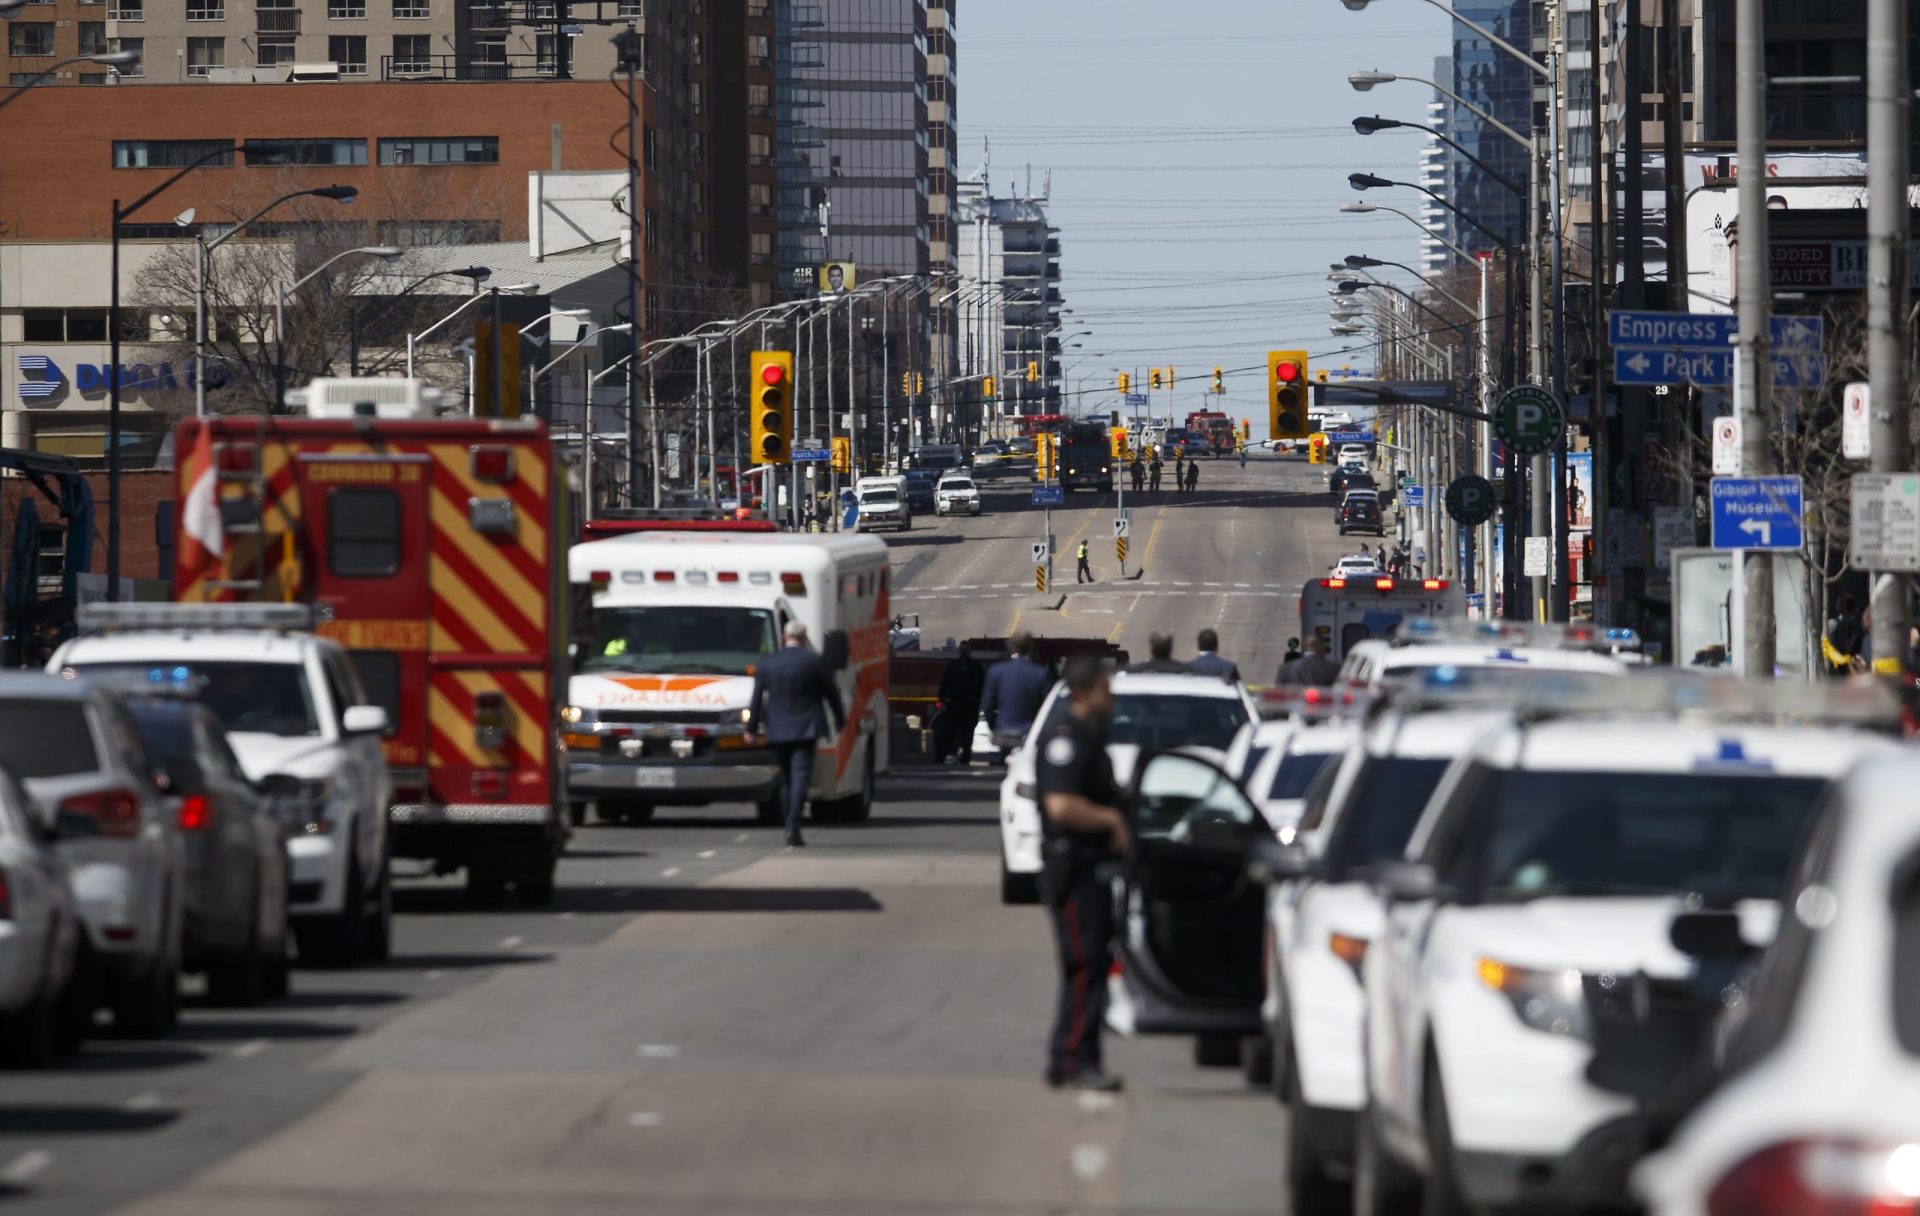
{"x":773,"y":373}
{"x":1286,"y":372}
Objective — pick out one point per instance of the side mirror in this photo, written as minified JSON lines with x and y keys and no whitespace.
{"x":364,"y":720}
{"x":1709,"y":935}
{"x":181,"y":775}
{"x":1270,"y":861}
{"x":1410,"y":882}
{"x":1650,"y":1062}
{"x":834,"y":650}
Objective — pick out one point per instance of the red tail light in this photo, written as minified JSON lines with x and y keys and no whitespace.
{"x":1433,"y":584}
{"x":6,"y":898}
{"x":113,"y":812}
{"x":1333,"y":584}
{"x":1383,"y":584}
{"x":492,"y":463}
{"x":195,"y":813}
{"x":663,"y":576}
{"x":1822,"y":1178}
{"x":729,"y":576}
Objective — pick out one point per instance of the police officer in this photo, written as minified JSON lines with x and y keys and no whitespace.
{"x":1083,"y":828}
{"x":1083,"y":573}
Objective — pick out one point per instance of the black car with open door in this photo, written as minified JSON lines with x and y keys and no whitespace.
{"x":1191,"y":918}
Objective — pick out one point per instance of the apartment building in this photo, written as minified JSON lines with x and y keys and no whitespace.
{"x":1500,"y":87}
{"x":1010,"y":301}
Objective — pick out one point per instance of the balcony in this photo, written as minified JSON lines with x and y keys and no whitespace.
{"x":465,"y":67}
{"x":276,"y":20}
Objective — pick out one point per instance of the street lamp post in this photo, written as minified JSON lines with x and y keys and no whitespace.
{"x":478,"y":275}
{"x":413,"y":339}
{"x":117,"y":216}
{"x":384,"y":252}
{"x":112,"y":59}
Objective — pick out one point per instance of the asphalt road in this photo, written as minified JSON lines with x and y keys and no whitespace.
{"x":706,"y":1024}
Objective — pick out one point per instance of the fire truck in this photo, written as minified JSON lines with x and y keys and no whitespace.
{"x":433,"y":549}
{"x":1217,"y":428}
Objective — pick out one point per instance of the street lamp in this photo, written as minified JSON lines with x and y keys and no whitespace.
{"x":1371,"y":181}
{"x":1436,"y":234}
{"x":478,"y":275}
{"x":1363,"y":81}
{"x":1357,"y":261}
{"x":1344,"y":329}
{"x":547,"y":319}
{"x":1367,"y":126}
{"x":385,"y":253}
{"x":112,"y":59}
{"x":413,"y":339}
{"x":533,"y":377}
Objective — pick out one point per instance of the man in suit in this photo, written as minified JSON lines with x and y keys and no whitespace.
{"x":1160,"y":656}
{"x":1209,"y":663}
{"x":793,"y":694}
{"x":1013,"y":694}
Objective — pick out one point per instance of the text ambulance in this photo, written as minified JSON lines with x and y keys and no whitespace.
{"x":429,"y":548}
{"x":663,"y":670}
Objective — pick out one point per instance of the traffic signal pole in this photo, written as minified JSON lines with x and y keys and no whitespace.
{"x":1753,"y":372}
{"x":1889,"y":106}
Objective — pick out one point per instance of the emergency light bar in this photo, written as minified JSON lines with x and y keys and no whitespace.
{"x":1684,"y":696}
{"x":367,"y":397}
{"x":199,"y":618}
{"x":1460,"y":632}
{"x":1365,"y":582}
{"x":1311,"y":701}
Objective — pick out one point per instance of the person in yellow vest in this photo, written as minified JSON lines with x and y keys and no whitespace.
{"x":1082,"y":574}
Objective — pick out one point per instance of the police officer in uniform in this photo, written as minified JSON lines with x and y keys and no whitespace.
{"x":1083,"y":828}
{"x":1082,"y":573}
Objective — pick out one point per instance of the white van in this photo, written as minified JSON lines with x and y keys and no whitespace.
{"x":883,"y":504}
{"x":663,"y":668}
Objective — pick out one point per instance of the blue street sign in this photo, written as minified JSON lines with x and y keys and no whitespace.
{"x":1049,"y":496}
{"x":1705,"y":330}
{"x":1136,"y":401}
{"x":1414,"y":497}
{"x":1756,"y":512}
{"x":1349,"y":436}
{"x":811,"y":455}
{"x":1710,"y":368}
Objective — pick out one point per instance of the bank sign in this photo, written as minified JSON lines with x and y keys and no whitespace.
{"x":49,"y":380}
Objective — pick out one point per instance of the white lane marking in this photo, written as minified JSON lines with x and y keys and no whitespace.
{"x":704,"y":854}
{"x":657,"y":1051}
{"x":1093,"y":1102}
{"x":1243,"y":586}
{"x":1089,"y":1161}
{"x":568,"y":915}
{"x":146,"y":1099}
{"x":434,"y":975}
{"x":250,"y":1049}
{"x":512,"y":943}
{"x":740,"y":839}
{"x":26,"y":1167}
{"x":670,"y":872}
{"x":644,"y":1118}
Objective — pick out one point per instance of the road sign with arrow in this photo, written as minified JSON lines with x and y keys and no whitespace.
{"x":1757,"y":512}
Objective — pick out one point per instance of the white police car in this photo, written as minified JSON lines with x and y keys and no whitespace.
{"x":1276,"y":761}
{"x":1545,"y":870}
{"x":1151,"y":710}
{"x":301,"y":729}
{"x":1425,"y":646}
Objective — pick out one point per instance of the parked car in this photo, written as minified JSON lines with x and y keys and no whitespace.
{"x":236,"y":853}
{"x":1361,"y":513}
{"x":40,"y":936}
{"x":76,"y":750}
{"x":922,"y":488}
{"x":1349,"y":478}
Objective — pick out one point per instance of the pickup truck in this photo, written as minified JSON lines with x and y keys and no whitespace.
{"x":956,"y":495}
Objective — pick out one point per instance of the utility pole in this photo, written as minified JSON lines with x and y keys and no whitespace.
{"x":1753,"y":375}
{"x":1889,"y":102}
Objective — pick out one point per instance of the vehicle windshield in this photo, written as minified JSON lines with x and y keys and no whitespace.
{"x":1166,"y":722}
{"x":1295,"y":773}
{"x":956,"y":483}
{"x":1718,"y":834}
{"x":880,"y":497}
{"x":251,"y":697}
{"x":1387,"y":797}
{"x":46,"y":738}
{"x":680,"y":638}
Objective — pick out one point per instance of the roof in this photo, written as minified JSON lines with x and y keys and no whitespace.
{"x":510,"y":262}
{"x":1167,"y":683}
{"x":1421,"y":658}
{"x":1659,"y":743}
{"x":1430,"y":735}
{"x":180,"y":645}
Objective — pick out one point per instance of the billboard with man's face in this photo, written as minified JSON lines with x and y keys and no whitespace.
{"x":836,"y":277}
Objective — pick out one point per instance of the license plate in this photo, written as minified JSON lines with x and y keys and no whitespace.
{"x":653,"y":778}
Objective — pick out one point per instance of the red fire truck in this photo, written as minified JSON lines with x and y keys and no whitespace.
{"x":1217,"y":428}
{"x":434,"y":550}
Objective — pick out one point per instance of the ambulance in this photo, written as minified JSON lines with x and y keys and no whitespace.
{"x":675,"y":623}
{"x":432,"y":549}
{"x":1361,"y":606}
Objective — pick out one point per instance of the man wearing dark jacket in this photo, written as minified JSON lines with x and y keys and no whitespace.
{"x":960,"y":688}
{"x":793,"y":695}
{"x":1209,"y":663}
{"x":1160,"y":656}
{"x":1313,"y":667}
{"x":1014,"y":691}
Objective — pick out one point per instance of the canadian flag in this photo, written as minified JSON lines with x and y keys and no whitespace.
{"x":201,"y":537}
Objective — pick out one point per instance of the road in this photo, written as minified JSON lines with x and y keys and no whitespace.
{"x":706,"y":1024}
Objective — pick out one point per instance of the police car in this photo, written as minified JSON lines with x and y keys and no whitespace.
{"x":1321,"y":918}
{"x":1422,"y":646}
{"x":301,"y":728}
{"x":1151,"y":710}
{"x":1822,"y":1111}
{"x":1546,"y":870}
{"x":1276,"y":761}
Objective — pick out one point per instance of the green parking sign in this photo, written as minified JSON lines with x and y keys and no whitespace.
{"x":1529,"y":419}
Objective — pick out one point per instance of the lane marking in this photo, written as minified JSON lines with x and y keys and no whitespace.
{"x":26,"y":1167}
{"x":568,"y":915}
{"x":144,"y":1100}
{"x":1089,"y":1161}
{"x":670,"y":872}
{"x":250,"y":1049}
{"x":704,"y":854}
{"x":512,"y":943}
{"x":740,"y":839}
{"x":435,"y":974}
{"x":1093,"y":1102}
{"x":657,"y":1051}
{"x":644,"y":1118}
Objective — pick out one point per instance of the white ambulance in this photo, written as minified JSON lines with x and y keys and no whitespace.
{"x":1349,"y":609}
{"x":666,"y":639}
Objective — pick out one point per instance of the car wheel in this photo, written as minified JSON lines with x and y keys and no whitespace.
{"x":334,"y":941}
{"x":576,"y":814}
{"x":859,"y":808}
{"x":1441,"y":1195}
{"x":1216,"y":1050}
{"x":30,"y":1038}
{"x":1381,"y":1185}
{"x":535,"y":886}
{"x":378,"y":946}
{"x":144,"y":1008}
{"x":78,"y":1000}
{"x":1309,"y":1186}
{"x":1018,"y":888}
{"x":1256,"y":1060}
{"x":238,"y":979}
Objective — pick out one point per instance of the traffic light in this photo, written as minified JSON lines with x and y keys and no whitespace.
{"x":906,"y":384}
{"x":919,"y":384}
{"x":842,"y":454}
{"x":1287,"y":394}
{"x":986,"y":388}
{"x":770,"y":421}
{"x":1169,"y":376}
{"x":1156,"y":379}
{"x":1043,"y":456}
{"x":1033,"y":371}
{"x":1321,"y":375}
{"x":1120,"y":449}
{"x":1126,"y":383}
{"x":1219,"y":382}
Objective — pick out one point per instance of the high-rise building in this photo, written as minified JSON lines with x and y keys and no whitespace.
{"x":942,"y":110}
{"x":1009,"y":265}
{"x":1501,"y":87}
{"x":1437,"y":159}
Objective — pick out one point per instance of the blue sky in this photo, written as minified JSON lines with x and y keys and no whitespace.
{"x":1199,"y":155}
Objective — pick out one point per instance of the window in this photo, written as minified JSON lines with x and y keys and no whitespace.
{"x":379,"y":674}
{"x":206,"y":10}
{"x":128,"y":10}
{"x":132,"y":44}
{"x":699,"y":147}
{"x":320,"y":152}
{"x":30,"y":38}
{"x":759,"y":51}
{"x":760,"y":244}
{"x":170,"y":153}
{"x":272,"y":50}
{"x":653,"y":228}
{"x":632,"y":8}
{"x":44,"y":325}
{"x":760,"y":149}
{"x":262,"y":698}
{"x":699,"y":50}
{"x":363,"y":533}
{"x":546,"y":54}
{"x":349,"y":53}
{"x":759,"y":99}
{"x":412,"y":10}
{"x":649,"y":149}
{"x":93,"y":37}
{"x":205,"y":54}
{"x":46,"y":738}
{"x":699,"y":98}
{"x":441,"y":150}
{"x":346,"y":10}
{"x":412,"y":53}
